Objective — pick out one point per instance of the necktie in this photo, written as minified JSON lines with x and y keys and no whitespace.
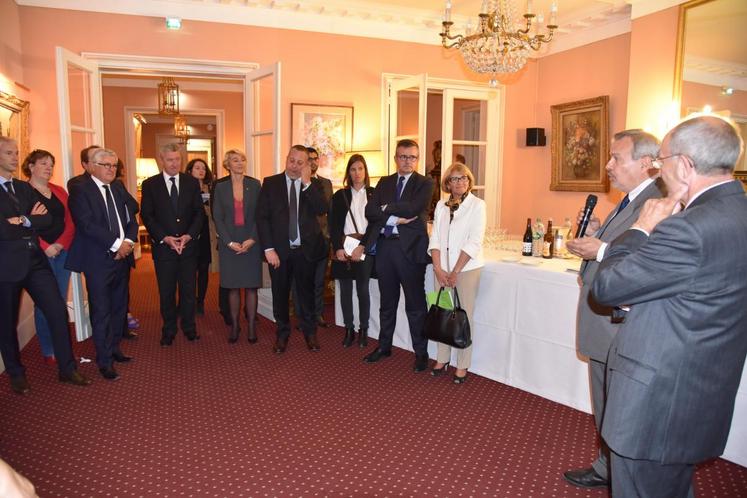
{"x":625,"y":202}
{"x":293,"y":207}
{"x":174,"y":194}
{"x":389,"y":229}
{"x":12,"y":194}
{"x":400,"y":187}
{"x":111,"y":212}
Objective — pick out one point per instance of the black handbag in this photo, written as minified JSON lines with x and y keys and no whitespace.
{"x":450,"y":327}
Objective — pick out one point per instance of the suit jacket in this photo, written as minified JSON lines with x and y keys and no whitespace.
{"x":595,"y":327}
{"x":326,"y":185}
{"x":675,"y":365}
{"x":162,"y":220}
{"x":414,"y":202}
{"x":223,"y":212}
{"x":14,"y":239}
{"x":337,"y":214}
{"x":273,"y":218}
{"x":90,"y":249}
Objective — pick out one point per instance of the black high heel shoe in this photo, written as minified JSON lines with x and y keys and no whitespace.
{"x":234,"y":335}
{"x":435,"y":372}
{"x":460,"y":380}
{"x":362,"y":338}
{"x":349,"y":337}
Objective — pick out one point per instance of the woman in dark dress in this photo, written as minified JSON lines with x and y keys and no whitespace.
{"x":234,"y":212}
{"x":54,"y":240}
{"x":347,"y":221}
{"x":200,"y":170}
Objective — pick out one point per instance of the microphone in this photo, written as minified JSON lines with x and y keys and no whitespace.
{"x":591,"y":202}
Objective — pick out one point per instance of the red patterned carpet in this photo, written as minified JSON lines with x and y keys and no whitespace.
{"x":212,"y":419}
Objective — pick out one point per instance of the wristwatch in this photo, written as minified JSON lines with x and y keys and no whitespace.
{"x":22,"y":220}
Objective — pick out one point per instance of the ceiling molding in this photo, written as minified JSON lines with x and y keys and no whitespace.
{"x":714,"y":72}
{"x":589,"y":23}
{"x":645,"y":7}
{"x":152,"y":83}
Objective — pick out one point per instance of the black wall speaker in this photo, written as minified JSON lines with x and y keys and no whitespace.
{"x":536,"y":137}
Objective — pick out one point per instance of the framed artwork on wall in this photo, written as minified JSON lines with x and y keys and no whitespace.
{"x":327,"y":128}
{"x":580,"y":145}
{"x":14,"y":122}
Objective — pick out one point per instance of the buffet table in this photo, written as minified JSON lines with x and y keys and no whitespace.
{"x":524,"y":334}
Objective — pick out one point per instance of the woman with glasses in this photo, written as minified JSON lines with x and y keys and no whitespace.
{"x":54,"y":240}
{"x":234,"y":211}
{"x":347,"y":222}
{"x":456,"y":250}
{"x":200,"y":170}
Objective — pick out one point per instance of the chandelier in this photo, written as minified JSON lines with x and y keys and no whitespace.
{"x":499,"y":44}
{"x":168,"y":97}
{"x":181,"y":129}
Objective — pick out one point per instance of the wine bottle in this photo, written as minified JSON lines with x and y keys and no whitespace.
{"x":526,"y":249}
{"x":548,"y":247}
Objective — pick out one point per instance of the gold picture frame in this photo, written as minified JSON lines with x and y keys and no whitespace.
{"x":580,"y":145}
{"x":14,"y":121}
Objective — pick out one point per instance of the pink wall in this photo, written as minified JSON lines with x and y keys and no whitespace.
{"x":586,"y":72}
{"x":11,"y":67}
{"x":653,"y":46}
{"x":697,"y":95}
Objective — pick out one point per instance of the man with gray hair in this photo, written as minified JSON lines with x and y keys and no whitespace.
{"x":675,"y":364}
{"x":630,"y":171}
{"x":105,"y":231}
{"x":173,"y":214}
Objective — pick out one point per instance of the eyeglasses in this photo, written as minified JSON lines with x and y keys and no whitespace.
{"x":454,"y":179}
{"x":404,"y":158}
{"x":107,"y":165}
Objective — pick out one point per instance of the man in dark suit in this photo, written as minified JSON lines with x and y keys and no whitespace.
{"x":173,"y":214}
{"x":24,"y":266}
{"x":630,"y":171}
{"x":288,"y":225}
{"x":105,"y":232}
{"x":321,"y":266}
{"x":675,"y":364}
{"x":399,"y":209}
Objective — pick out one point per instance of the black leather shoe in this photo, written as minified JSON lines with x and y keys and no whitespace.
{"x":192,"y":336}
{"x":349,"y":337}
{"x":20,"y":385}
{"x":121,"y":358}
{"x":362,"y":338}
{"x":586,"y":478}
{"x":75,"y":378}
{"x":129,"y":335}
{"x":280,"y":345}
{"x":376,"y":355}
{"x":167,"y":341}
{"x":439,"y":371}
{"x":312,"y":343}
{"x":109,"y":373}
{"x":421,"y":363}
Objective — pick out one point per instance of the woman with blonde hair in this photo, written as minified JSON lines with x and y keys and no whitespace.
{"x":456,"y":250}
{"x":234,"y":210}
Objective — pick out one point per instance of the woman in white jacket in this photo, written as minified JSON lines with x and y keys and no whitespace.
{"x":456,"y":250}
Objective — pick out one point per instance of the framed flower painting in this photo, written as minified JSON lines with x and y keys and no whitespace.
{"x":329,"y":129}
{"x":580,"y":145}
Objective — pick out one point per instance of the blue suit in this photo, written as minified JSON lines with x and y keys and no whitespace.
{"x":107,"y":279}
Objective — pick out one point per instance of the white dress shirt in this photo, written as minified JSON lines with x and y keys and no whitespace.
{"x":120,"y":239}
{"x":358,"y":210}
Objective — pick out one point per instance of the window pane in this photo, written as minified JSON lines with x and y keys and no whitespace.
{"x":265,"y":103}
{"x":408,"y":103}
{"x":262,"y":155}
{"x":474,"y":157}
{"x":80,"y":141}
{"x":470,"y":119}
{"x":79,"y":84}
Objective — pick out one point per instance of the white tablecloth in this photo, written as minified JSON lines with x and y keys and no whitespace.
{"x":524,"y":334}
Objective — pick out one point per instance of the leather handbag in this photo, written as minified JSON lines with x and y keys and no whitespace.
{"x":450,"y":327}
